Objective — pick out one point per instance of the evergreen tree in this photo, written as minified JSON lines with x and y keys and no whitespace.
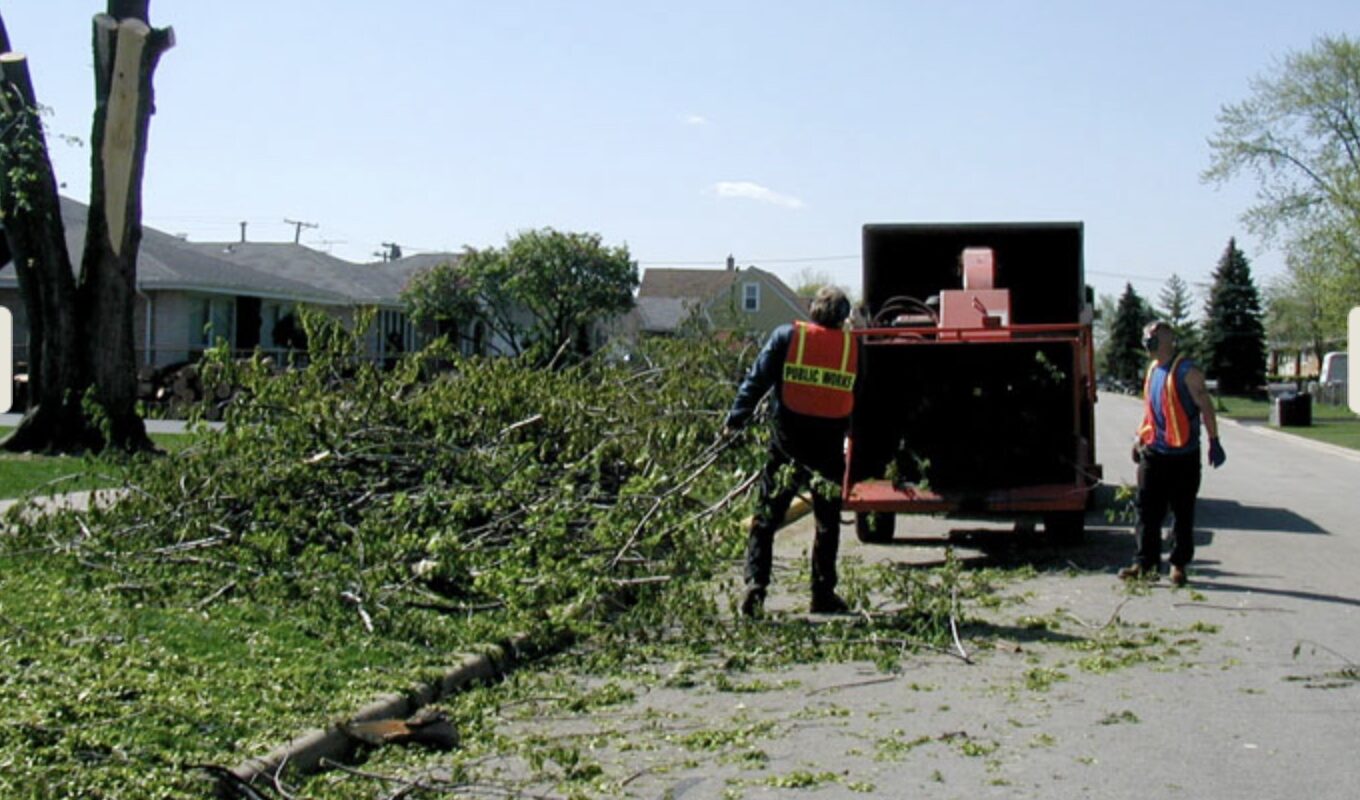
{"x":1125,"y":359}
{"x":1174,"y":308}
{"x":1234,"y":333}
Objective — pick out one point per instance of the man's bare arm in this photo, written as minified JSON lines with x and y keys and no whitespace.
{"x":1194,"y":381}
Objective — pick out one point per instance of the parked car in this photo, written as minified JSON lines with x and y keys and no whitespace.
{"x":1332,"y":380}
{"x":1334,"y":368}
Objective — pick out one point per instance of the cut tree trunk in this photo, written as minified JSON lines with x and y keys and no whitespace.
{"x":37,"y":243}
{"x":82,"y":331}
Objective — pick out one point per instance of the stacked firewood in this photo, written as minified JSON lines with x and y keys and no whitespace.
{"x":178,"y":388}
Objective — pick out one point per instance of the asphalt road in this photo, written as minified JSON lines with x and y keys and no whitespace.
{"x":1251,"y":693}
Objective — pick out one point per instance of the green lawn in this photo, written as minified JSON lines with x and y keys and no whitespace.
{"x":84,"y":653}
{"x":21,"y":473}
{"x":1336,"y":425}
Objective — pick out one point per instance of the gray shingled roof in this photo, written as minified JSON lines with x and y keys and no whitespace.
{"x":165,"y":262}
{"x":705,"y":284}
{"x":694,"y":284}
{"x":266,"y":269}
{"x":663,"y":314}
{"x":324,"y":273}
{"x":399,"y":272}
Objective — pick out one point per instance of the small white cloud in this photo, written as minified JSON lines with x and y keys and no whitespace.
{"x":694,"y":119}
{"x":754,"y":191}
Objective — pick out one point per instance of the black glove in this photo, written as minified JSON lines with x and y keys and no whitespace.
{"x":1216,"y":454}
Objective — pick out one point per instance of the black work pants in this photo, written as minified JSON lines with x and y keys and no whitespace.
{"x":776,"y":493}
{"x":1167,"y":482}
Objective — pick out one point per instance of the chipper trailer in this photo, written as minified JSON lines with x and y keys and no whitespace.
{"x":976,"y":389}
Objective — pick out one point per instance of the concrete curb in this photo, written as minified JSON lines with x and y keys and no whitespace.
{"x":307,"y":751}
{"x":1312,"y":444}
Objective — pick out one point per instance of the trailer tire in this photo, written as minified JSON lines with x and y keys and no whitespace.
{"x":875,"y":527}
{"x":1065,"y":527}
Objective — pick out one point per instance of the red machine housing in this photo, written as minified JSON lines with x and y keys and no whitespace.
{"x":976,"y":386}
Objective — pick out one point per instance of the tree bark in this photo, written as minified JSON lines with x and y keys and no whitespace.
{"x":37,"y":242}
{"x":82,"y":332}
{"x":126,"y":52}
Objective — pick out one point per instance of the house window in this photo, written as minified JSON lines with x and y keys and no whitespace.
{"x":271,"y":314}
{"x":750,"y":297}
{"x":211,"y":319}
{"x":478,"y":339}
{"x":396,"y":334}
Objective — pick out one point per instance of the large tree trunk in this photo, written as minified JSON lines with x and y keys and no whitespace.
{"x":37,"y":243}
{"x":82,"y":333}
{"x":126,"y":53}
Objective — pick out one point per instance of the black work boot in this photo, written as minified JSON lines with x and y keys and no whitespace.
{"x":1138,"y":572}
{"x":828,"y":602}
{"x":753,"y":604}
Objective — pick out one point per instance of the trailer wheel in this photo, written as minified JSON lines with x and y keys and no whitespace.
{"x":875,"y":527}
{"x":1065,"y":527}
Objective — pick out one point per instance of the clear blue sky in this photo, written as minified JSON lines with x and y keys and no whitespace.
{"x":690,"y":130}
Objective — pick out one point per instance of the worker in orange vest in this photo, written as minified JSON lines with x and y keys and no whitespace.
{"x":1175,"y":400}
{"x":811,"y":369}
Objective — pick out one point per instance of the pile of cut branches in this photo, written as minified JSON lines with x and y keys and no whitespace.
{"x":350,"y":529}
{"x":484,"y":486}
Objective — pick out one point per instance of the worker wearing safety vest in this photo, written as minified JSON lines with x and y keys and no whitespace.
{"x":1175,"y":401}
{"x":811,"y":369}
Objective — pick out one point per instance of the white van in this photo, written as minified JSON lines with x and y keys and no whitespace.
{"x":1333,"y":369}
{"x":1331,"y":388}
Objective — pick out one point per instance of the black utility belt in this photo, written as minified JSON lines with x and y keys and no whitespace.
{"x":1190,"y":455}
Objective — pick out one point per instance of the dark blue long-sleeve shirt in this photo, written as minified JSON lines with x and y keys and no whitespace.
{"x":808,"y":438}
{"x":766,"y":373}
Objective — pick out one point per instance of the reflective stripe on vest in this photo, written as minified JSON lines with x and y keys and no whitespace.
{"x":1177,"y":421}
{"x":819,"y":372}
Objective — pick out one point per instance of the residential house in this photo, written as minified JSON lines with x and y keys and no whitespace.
{"x":744,"y":299}
{"x":1290,"y":360}
{"x":338,"y":286}
{"x":190,"y":294}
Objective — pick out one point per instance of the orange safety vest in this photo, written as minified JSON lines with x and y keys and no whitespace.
{"x":1177,"y":433}
{"x":819,"y":372}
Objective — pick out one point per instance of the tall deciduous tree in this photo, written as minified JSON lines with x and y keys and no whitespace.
{"x":1304,"y":307}
{"x":1125,"y":359}
{"x":808,"y":281}
{"x":82,"y":371}
{"x":541,"y":292}
{"x":442,"y":296}
{"x":1298,"y":134}
{"x":1103,"y":323}
{"x":1234,"y":335}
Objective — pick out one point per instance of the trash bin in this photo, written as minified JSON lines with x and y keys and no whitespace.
{"x":1292,"y":411}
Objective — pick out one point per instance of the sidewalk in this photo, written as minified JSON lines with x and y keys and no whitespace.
{"x":152,"y":425}
{"x":78,"y":501}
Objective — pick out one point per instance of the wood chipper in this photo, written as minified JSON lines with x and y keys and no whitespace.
{"x":976,"y":389}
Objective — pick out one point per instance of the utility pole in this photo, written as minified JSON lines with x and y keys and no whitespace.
{"x":243,"y":232}
{"x":297,"y":228}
